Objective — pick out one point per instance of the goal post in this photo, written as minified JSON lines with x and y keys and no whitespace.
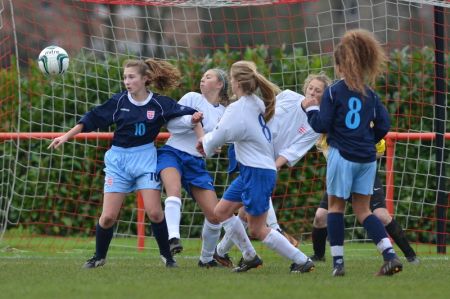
{"x":442,"y":203}
{"x":59,"y":192}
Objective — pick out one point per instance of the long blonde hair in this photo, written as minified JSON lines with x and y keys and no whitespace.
{"x":246,"y":74}
{"x":360,"y":59}
{"x":322,"y":77}
{"x":161,"y":74}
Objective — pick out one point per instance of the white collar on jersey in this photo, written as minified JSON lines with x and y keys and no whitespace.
{"x":140,"y":103}
{"x":214,"y":105}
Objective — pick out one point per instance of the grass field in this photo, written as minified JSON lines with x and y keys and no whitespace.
{"x":51,"y":268}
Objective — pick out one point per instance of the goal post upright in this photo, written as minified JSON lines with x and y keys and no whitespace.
{"x":440,"y":93}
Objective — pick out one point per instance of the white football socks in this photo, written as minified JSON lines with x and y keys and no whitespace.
{"x":172,"y":212}
{"x":226,"y":243}
{"x":277,"y":242}
{"x":272,"y":220}
{"x":237,"y":234}
{"x":210,"y":237}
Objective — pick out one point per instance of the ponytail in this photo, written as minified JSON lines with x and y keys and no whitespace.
{"x":268,"y":93}
{"x":250,"y":80}
{"x":162,"y":74}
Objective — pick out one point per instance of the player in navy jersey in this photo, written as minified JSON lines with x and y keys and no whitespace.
{"x":130,"y":163}
{"x":245,"y":123}
{"x":354,"y":118}
{"x":180,"y":164}
{"x":292,"y":138}
{"x":377,"y":206}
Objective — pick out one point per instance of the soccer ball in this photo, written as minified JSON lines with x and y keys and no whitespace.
{"x":53,"y":60}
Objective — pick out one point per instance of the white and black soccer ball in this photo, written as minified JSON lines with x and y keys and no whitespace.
{"x":53,"y":60}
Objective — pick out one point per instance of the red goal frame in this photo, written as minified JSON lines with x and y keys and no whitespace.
{"x":391,"y":139}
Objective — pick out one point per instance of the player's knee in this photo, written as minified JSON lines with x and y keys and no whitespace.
{"x":242,"y":215}
{"x":320,"y":219}
{"x":107,"y":220}
{"x":383,"y":215}
{"x":220,"y":215}
{"x":256,"y":232}
{"x":155,"y":216}
{"x":212,"y":218}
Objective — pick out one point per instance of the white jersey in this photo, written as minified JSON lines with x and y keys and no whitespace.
{"x":243,"y":123}
{"x":292,"y":134}
{"x":182,"y":136}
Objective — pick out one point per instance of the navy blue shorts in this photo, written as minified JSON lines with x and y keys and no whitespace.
{"x":192,"y":169}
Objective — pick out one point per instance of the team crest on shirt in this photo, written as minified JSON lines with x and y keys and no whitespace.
{"x":302,"y":130}
{"x":109,"y":181}
{"x":150,"y":114}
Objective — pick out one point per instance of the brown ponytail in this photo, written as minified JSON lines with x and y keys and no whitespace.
{"x":161,"y":74}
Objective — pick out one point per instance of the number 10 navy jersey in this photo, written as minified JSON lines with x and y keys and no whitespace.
{"x":137,"y":123}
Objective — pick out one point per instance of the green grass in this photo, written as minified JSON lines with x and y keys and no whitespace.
{"x":51,"y":268}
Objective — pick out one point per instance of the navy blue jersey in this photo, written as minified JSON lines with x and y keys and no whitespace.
{"x":135,"y":125}
{"x":354,"y":123}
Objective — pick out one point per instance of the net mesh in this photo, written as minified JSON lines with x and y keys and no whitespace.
{"x":59,"y":193}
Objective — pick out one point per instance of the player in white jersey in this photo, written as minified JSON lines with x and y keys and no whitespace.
{"x":180,"y":164}
{"x":293,"y":137}
{"x":245,"y":123}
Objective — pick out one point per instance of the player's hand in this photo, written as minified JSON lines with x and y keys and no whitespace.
{"x":197,"y":117}
{"x":199,"y":147}
{"x":218,"y":150}
{"x":308,"y":102}
{"x":57,"y":142}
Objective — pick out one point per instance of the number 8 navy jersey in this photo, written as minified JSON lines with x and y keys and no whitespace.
{"x":354,"y":123}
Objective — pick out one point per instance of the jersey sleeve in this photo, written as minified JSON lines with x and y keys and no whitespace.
{"x":382,"y":121}
{"x":296,"y":150}
{"x":190,"y":99}
{"x":183,"y":124}
{"x":229,"y":129}
{"x":171,"y":109}
{"x":287,"y":100}
{"x":180,"y":125}
{"x":100,"y":117}
{"x":321,"y":119}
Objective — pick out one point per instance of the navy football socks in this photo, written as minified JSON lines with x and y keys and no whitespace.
{"x":103,"y":238}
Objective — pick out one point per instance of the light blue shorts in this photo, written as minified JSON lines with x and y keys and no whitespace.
{"x":192,"y":169}
{"x":131,"y":169}
{"x":345,"y":177}
{"x":253,"y":187}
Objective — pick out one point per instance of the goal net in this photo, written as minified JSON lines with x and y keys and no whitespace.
{"x":59,"y":192}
